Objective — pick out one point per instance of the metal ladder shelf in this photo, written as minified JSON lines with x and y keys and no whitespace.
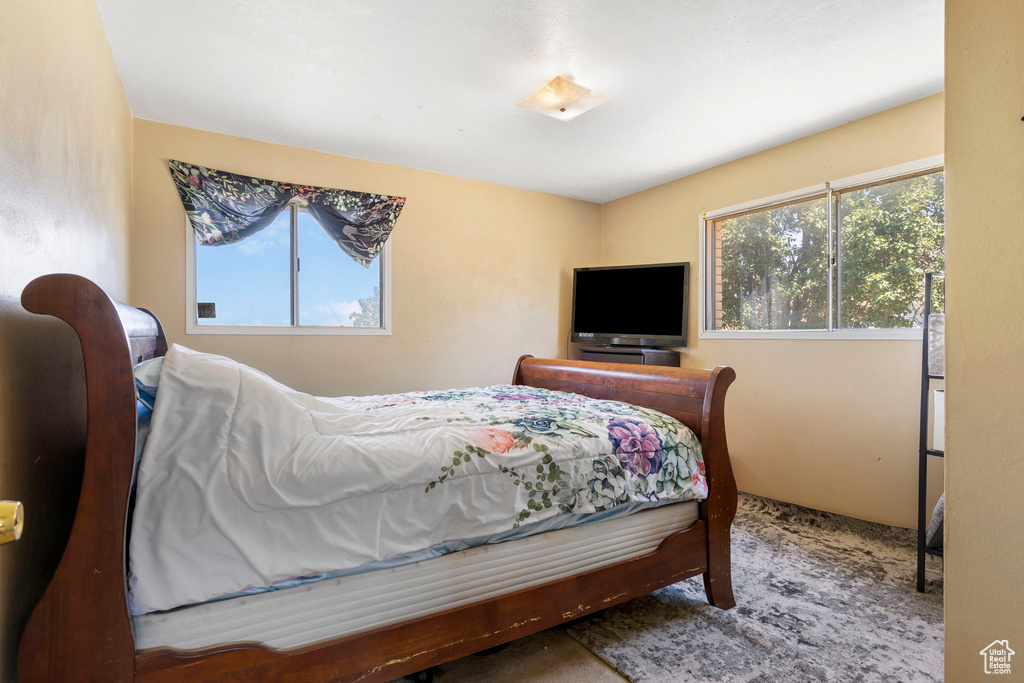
{"x":922,"y":473}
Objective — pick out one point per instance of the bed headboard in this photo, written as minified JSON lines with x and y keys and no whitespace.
{"x":114,"y":337}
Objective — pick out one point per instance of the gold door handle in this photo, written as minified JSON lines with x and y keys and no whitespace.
{"x":12,"y":520}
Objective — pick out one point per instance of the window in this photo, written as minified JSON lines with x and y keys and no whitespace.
{"x":846,"y":257}
{"x":289,"y":278}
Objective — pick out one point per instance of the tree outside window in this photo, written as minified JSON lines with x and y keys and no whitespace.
{"x":776,"y":268}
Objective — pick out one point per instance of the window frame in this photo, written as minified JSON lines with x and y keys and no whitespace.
{"x":829,"y":190}
{"x":192,"y":325}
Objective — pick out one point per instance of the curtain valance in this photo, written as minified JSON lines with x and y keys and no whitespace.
{"x":225,"y":208}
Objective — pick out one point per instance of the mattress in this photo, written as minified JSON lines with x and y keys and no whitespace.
{"x":305,"y":615}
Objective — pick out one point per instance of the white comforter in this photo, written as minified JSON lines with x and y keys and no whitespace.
{"x":245,"y":482}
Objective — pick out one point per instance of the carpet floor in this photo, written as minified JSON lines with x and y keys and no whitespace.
{"x":820,"y":597}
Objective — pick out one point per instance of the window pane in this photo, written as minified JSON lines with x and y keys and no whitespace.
{"x":773,"y":269}
{"x":890,"y":236}
{"x":249,"y":281}
{"x":333,"y":289}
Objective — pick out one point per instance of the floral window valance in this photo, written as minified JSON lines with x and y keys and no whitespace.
{"x":225,"y":208}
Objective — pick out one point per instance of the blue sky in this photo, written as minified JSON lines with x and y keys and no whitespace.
{"x":250,"y":280}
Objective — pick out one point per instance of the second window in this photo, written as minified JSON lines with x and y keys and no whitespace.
{"x":846,"y":259}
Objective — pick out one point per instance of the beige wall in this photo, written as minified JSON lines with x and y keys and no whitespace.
{"x":829,"y":424}
{"x":985,"y":329}
{"x":481,"y":273}
{"x":65,"y":205}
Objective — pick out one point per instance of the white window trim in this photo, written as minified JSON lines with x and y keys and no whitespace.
{"x":911,"y":168}
{"x":192,"y":325}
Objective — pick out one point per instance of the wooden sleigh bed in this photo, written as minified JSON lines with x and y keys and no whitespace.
{"x":81,"y":629}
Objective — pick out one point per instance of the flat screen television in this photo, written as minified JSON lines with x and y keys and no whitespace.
{"x":631,"y":305}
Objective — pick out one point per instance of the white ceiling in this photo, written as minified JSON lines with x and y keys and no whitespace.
{"x":433,"y":84}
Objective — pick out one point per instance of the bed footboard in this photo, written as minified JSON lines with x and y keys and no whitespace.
{"x":694,"y":397}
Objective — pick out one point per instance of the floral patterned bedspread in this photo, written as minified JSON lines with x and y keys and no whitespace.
{"x":591,"y":454}
{"x":245,"y":482}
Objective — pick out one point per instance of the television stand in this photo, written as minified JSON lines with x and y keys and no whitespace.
{"x":634,"y":355}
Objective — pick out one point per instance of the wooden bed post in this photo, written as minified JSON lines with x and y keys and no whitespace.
{"x":81,"y":629}
{"x":517,"y":376}
{"x":720,"y":507}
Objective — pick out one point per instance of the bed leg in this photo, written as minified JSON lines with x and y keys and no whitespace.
{"x":718,"y":577}
{"x":719,"y":509}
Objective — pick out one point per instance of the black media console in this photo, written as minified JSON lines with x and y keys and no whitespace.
{"x":630,"y":354}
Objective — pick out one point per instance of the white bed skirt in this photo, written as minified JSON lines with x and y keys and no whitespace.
{"x":305,"y":615}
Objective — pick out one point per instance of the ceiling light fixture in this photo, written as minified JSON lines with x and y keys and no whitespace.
{"x":563,"y":99}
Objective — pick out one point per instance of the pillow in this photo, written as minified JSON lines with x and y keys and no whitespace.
{"x":147,"y":375}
